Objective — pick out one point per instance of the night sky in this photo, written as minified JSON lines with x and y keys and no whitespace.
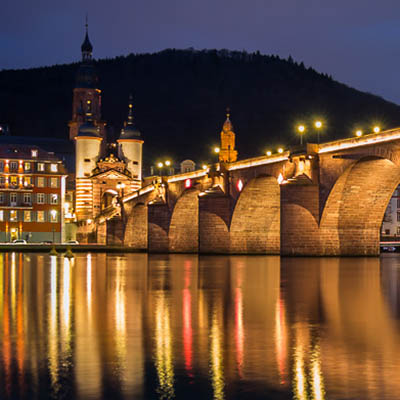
{"x":355,"y":41}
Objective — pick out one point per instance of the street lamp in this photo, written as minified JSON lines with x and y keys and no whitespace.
{"x":318,"y":126}
{"x":160,"y":165}
{"x":269,"y":152}
{"x":377,"y":129}
{"x":280,"y":150}
{"x":301,"y":129}
{"x":359,"y":133}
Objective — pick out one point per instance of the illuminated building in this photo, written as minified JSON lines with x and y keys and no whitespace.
{"x":102,"y":169}
{"x":391,"y":220}
{"x":227,"y":152}
{"x":32,"y":188}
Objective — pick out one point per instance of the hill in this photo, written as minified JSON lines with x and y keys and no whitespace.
{"x":181,"y":96}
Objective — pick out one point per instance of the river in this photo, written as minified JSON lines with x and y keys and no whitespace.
{"x":110,"y":326}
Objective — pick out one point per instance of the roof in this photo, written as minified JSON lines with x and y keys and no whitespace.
{"x":24,"y":152}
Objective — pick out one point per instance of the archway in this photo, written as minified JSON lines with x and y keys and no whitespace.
{"x":353,"y":213}
{"x":108,"y":198}
{"x":184,"y":226}
{"x":255,"y":224}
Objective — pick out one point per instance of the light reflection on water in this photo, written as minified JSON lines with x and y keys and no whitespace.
{"x":180,"y":326}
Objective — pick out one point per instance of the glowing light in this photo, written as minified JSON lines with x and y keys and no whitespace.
{"x":239,"y":185}
{"x":280,"y":178}
{"x":89,"y":221}
{"x":318,"y":124}
{"x":301,"y":128}
{"x":167,"y":163}
{"x":160,"y":165}
{"x":269,"y":153}
{"x":280,"y":150}
{"x":359,"y":133}
{"x":217,"y":150}
{"x":204,"y":167}
{"x":188,"y":183}
{"x":377,"y":129}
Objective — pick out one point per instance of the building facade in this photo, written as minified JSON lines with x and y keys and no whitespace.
{"x":104,"y":171}
{"x":32,"y":188}
{"x":391,"y":219}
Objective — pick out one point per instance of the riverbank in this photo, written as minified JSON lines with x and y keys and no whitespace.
{"x":34,"y":247}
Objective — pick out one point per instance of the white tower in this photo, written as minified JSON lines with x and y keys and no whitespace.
{"x":87,"y":152}
{"x":130,"y":148}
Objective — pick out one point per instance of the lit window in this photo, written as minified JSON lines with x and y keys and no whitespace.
{"x":40,"y":216}
{"x":27,"y":181}
{"x":13,"y":199}
{"x":54,"y":182}
{"x":40,"y":167}
{"x":53,"y":167}
{"x":41,"y":182}
{"x":53,"y":216}
{"x":27,"y":216}
{"x":14,"y":180}
{"x":34,"y":153}
{"x":27,"y":166}
{"x":13,"y":166}
{"x":13,"y":215}
{"x":27,"y":198}
{"x":1,"y":215}
{"x":54,"y":198}
{"x":40,"y":198}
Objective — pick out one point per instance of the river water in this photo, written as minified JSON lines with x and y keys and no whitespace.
{"x":138,"y":326}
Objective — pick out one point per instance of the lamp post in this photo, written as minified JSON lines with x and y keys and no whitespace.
{"x":301,"y":129}
{"x":318,"y":126}
{"x":216,"y":151}
{"x":121,"y":187}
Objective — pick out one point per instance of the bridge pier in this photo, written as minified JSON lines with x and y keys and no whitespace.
{"x":159,"y":217}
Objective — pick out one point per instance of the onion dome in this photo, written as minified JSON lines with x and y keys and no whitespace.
{"x":86,"y":47}
{"x":130,"y":131}
{"x":88,"y":129}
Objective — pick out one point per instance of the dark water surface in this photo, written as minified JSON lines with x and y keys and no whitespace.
{"x":181,"y":326}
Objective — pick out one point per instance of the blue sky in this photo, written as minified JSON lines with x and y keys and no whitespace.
{"x":357,"y":42}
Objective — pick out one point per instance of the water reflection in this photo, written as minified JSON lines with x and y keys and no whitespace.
{"x":179,"y":326}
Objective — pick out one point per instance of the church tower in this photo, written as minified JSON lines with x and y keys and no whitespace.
{"x":86,"y":89}
{"x":130,"y":148}
{"x":227,"y":151}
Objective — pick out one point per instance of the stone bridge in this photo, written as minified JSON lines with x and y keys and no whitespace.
{"x":326,"y":199}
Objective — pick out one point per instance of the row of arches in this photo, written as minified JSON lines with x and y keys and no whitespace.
{"x":269,"y":218}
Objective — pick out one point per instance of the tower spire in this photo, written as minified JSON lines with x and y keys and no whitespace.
{"x":86,"y":47}
{"x":130,"y":111}
{"x":227,"y":152}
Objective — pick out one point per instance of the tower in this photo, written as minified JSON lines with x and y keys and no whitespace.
{"x":87,"y":152}
{"x":86,"y":89}
{"x":227,"y":150}
{"x":130,"y":147}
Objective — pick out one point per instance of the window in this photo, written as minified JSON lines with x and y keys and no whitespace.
{"x":1,"y":197}
{"x":27,"y":216}
{"x":53,"y":216}
{"x":135,"y":163}
{"x":398,"y":216}
{"x":13,"y":199}
{"x":1,"y":215}
{"x":27,"y":181}
{"x":13,"y":215}
{"x":27,"y":198}
{"x":14,"y":180}
{"x":41,"y":181}
{"x":13,"y":166}
{"x":41,"y":216}
{"x":34,"y":153}
{"x":387,"y":231}
{"x":1,"y":165}
{"x":40,"y":198}
{"x":87,"y":159}
{"x":2,"y":180}
{"x":54,"y":198}
{"x":27,"y":166}
{"x":54,"y":182}
{"x":40,"y":167}
{"x":53,"y":167}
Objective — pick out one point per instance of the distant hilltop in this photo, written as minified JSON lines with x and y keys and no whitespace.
{"x":180,"y":97}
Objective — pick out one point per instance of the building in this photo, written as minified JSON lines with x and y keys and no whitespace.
{"x":187,"y":166}
{"x":391,"y":219}
{"x":32,"y":188}
{"x":227,"y":152}
{"x":104,"y":171}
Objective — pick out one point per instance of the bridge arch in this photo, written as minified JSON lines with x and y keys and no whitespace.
{"x":136,"y":228}
{"x":184,"y":226}
{"x":255,"y":223}
{"x":353,"y":213}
